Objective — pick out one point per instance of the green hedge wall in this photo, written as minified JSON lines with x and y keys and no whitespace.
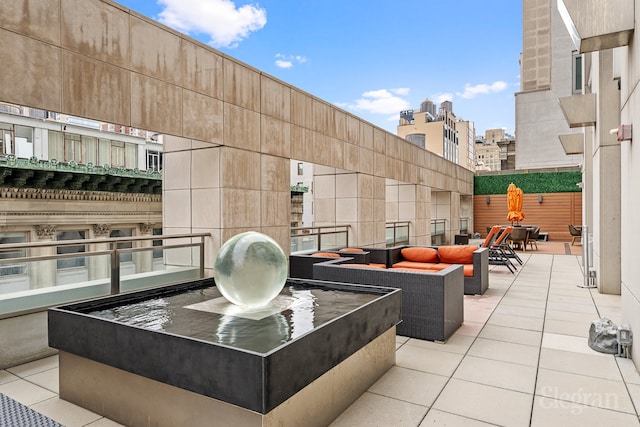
{"x":537,"y":182}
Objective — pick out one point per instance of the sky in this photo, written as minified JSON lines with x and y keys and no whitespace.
{"x":371,"y":58}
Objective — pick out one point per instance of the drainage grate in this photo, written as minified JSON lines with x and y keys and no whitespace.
{"x":15,"y":414}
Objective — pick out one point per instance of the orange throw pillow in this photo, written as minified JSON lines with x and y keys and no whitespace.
{"x":326,"y":254}
{"x":419,"y":254}
{"x":457,"y":254}
{"x":351,"y":250}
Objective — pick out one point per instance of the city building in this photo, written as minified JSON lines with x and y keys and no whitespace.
{"x":507,"y":150}
{"x":550,"y":68}
{"x":69,"y":178}
{"x":487,"y":155}
{"x":440,"y":132}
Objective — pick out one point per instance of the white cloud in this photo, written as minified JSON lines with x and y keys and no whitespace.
{"x":482,"y":89}
{"x":283,"y":64}
{"x":381,"y":101}
{"x":441,"y":97}
{"x":220,"y":20}
{"x":286,"y":61}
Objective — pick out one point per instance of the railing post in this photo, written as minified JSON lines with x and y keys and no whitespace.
{"x":115,"y":269}
{"x":202,"y":257}
{"x":319,"y":241}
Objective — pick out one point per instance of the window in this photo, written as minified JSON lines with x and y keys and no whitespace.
{"x":11,"y":269}
{"x":72,"y":148}
{"x":157,"y":253}
{"x":6,"y":138}
{"x":117,"y":154}
{"x":72,"y":249}
{"x":577,"y":71}
{"x":154,"y":160}
{"x":300,"y":169}
{"x":125,"y":232}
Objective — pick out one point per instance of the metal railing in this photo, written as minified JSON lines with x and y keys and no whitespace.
{"x":40,"y":279}
{"x":315,"y":239}
{"x":464,"y":226}
{"x":397,"y":233}
{"x":438,"y":231}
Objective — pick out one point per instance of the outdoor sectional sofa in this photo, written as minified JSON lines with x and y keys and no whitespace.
{"x":432,"y":302}
{"x":433,"y":258}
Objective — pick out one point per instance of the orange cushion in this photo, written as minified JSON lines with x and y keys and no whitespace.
{"x":351,"y":250}
{"x":326,"y":255}
{"x":420,"y":254}
{"x":416,"y":270}
{"x":364,"y":265}
{"x":468,"y":270}
{"x":457,"y":254}
{"x":413,"y":264}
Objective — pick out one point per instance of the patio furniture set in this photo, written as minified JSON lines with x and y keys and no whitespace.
{"x":433,"y":280}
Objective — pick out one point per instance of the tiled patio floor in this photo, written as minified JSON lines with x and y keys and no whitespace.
{"x":520,"y":359}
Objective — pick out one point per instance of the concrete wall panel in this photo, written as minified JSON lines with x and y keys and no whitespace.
{"x":95,"y":89}
{"x":34,"y":76}
{"x":158,"y":105}
{"x":96,"y":30}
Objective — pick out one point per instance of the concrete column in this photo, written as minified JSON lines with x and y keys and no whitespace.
{"x":423,"y":215}
{"x":99,"y":265}
{"x":43,"y":273}
{"x":606,"y":230}
{"x":144,"y":260}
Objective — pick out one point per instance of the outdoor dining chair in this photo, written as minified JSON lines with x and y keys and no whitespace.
{"x":576,"y":233}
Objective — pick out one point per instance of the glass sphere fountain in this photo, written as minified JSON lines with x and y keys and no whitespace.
{"x":250,"y":269}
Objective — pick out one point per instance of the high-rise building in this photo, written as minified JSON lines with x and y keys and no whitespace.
{"x":440,"y":132}
{"x":550,"y":67}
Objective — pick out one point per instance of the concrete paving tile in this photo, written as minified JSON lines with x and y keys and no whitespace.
{"x":564,"y":327}
{"x":375,"y":410}
{"x":25,"y":392}
{"x":410,"y":386}
{"x":573,"y":308}
{"x":571,"y":316}
{"x":478,"y":402}
{"x":580,"y":363}
{"x":552,"y":412}
{"x":104,"y":422}
{"x":514,"y":335}
{"x":521,"y":322}
{"x":7,"y":377}
{"x":520,"y":311}
{"x":497,"y":373}
{"x":584,"y":390}
{"x":469,"y":328}
{"x":455,"y":344}
{"x":569,"y":343}
{"x":628,"y":371}
{"x":35,"y":367}
{"x":65,"y":413}
{"x":47,"y":379}
{"x":505,"y":351}
{"x":427,"y":360}
{"x":523,"y":302}
{"x":436,"y":417}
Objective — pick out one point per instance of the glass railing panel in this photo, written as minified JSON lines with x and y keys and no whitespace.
{"x":45,"y":285}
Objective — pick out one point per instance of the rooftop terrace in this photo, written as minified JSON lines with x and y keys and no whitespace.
{"x":520,"y":359}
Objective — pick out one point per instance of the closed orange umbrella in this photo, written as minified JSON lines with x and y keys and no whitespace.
{"x":514,"y":203}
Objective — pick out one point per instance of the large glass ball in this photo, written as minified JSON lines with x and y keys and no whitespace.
{"x":250,"y":269}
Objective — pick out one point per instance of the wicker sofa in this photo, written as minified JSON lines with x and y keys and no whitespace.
{"x":301,"y":265}
{"x":475,"y":262}
{"x":432,"y":302}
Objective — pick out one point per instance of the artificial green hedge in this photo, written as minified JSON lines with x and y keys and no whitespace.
{"x":537,"y":182}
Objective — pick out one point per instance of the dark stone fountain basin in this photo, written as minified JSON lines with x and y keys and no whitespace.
{"x":253,"y":363}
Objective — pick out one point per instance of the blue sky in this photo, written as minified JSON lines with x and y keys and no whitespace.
{"x":372,"y":58}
